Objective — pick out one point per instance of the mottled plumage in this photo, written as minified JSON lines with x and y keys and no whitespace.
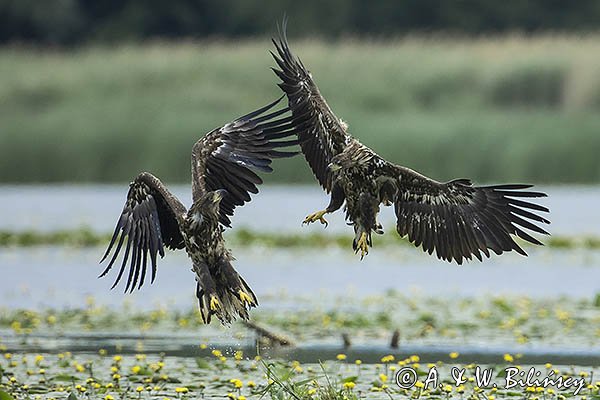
{"x":455,"y":219}
{"x":223,"y":177}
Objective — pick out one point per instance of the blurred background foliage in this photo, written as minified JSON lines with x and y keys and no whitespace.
{"x":95,"y":91}
{"x":81,"y":21}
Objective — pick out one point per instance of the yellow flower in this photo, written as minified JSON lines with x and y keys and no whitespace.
{"x":311,"y":391}
{"x":102,"y":352}
{"x":39,"y":358}
{"x":108,"y":397}
{"x":239,"y":355}
{"x":42,"y":371}
{"x":419,"y":384}
{"x":217,"y":353}
{"x":415,"y":358}
{"x":139,"y":389}
{"x":79,"y":368}
{"x":116,"y":377}
{"x":508,"y":358}
{"x":109,"y":385}
{"x":358,"y":362}
{"x":231,"y":396}
{"x":447,"y":388}
{"x":341,"y":357}
{"x":454,"y":355}
{"x":203,"y":346}
{"x":181,"y":390}
{"x":251,"y":384}
{"x":387,"y":359}
{"x":136,"y":369}
{"x":349,"y":385}
{"x":117,"y":358}
{"x":241,"y":398}
{"x":237,"y":383}
{"x":548,"y":365}
{"x":383,"y":377}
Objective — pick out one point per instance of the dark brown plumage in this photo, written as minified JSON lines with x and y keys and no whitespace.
{"x":223,"y":177}
{"x":455,"y":219}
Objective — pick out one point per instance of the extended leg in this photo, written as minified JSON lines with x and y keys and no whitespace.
{"x":208,"y":300}
{"x":365,"y":224}
{"x":361,"y":243}
{"x":237,"y":285}
{"x":336,"y":201}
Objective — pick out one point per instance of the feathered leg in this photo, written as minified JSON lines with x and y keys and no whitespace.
{"x":365,"y":224}
{"x":206,"y":292}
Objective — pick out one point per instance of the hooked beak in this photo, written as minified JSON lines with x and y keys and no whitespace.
{"x":219,"y":194}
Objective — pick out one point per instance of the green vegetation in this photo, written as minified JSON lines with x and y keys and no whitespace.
{"x":236,"y":377}
{"x":241,"y":237}
{"x":511,"y":108}
{"x":501,"y":321}
{"x":130,"y":354}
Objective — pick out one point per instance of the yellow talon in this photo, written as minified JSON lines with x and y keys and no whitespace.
{"x":214,"y":303}
{"x":245,"y":299}
{"x":363,"y":245}
{"x":318,"y":216}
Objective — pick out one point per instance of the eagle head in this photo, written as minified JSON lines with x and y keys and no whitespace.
{"x":212,"y":200}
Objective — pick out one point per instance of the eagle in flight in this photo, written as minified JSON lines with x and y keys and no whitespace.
{"x":455,"y":219}
{"x":223,"y":177}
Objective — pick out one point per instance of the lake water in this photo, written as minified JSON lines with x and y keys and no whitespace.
{"x":55,"y":276}
{"x":574,"y":210}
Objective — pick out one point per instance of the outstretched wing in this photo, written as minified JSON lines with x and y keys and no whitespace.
{"x":322,"y":135}
{"x":459,"y":220}
{"x":149,"y":221}
{"x":228,"y":157}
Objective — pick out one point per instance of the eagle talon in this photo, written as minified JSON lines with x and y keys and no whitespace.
{"x":362,"y":245}
{"x":214,"y":303}
{"x":244,"y":298}
{"x":318,"y":216}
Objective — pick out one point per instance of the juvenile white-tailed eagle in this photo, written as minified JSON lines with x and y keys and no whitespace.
{"x":223,"y":162}
{"x":455,"y":219}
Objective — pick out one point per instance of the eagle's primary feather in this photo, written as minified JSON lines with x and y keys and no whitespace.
{"x":455,"y":219}
{"x":224,"y":166}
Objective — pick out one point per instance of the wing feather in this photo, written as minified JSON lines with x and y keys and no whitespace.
{"x":229,"y":157}
{"x":458,"y":220}
{"x":149,"y":221}
{"x":320,"y":132}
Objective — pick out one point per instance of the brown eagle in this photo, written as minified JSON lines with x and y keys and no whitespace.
{"x":223,"y":162}
{"x":455,"y":219}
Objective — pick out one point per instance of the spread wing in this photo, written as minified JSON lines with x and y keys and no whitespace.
{"x":149,"y":221}
{"x":459,"y":220}
{"x":320,"y":132}
{"x":228,"y":157}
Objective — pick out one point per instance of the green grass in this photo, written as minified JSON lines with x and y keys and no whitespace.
{"x":84,"y":237}
{"x":510,"y":108}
